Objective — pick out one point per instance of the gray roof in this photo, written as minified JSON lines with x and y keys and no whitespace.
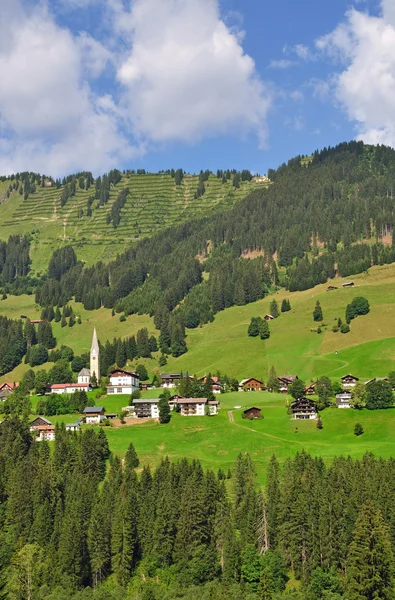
{"x":84,"y":373}
{"x":93,"y":410}
{"x":146,"y":401}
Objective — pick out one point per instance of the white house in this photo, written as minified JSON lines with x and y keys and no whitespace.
{"x":69,"y":388}
{"x":44,"y":429}
{"x":349,"y":381}
{"x":123,"y":382}
{"x":197,"y":406}
{"x":94,"y":414}
{"x":73,"y":426}
{"x":146,"y":408}
{"x":84,"y":376}
{"x":343,"y":400}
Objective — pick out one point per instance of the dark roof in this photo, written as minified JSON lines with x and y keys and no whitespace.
{"x":173,"y":375}
{"x":252,"y":408}
{"x":123,"y":372}
{"x":93,"y":410}
{"x":352,"y":376}
{"x":40,"y":419}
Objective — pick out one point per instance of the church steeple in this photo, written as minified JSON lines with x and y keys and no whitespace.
{"x":95,"y":357}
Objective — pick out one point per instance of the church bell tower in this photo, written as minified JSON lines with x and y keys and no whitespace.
{"x":95,"y":357}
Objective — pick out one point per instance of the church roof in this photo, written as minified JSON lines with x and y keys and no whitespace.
{"x":95,"y":343}
{"x":84,"y":373}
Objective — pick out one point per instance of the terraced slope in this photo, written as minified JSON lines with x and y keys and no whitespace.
{"x":154,"y":203}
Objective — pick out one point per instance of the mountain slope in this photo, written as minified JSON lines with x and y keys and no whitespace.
{"x":154,"y":203}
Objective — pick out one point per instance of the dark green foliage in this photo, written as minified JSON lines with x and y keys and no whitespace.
{"x":61,"y":262}
{"x":163,"y":405}
{"x":14,"y":259}
{"x":264,"y":330}
{"x":297,"y":389}
{"x":358,"y":429}
{"x":317,"y":313}
{"x":345,"y":328}
{"x":285,"y":305}
{"x":13,"y":343}
{"x":324,"y":389}
{"x":253,"y":328}
{"x":131,"y":459}
{"x":274,"y":309}
{"x":273,"y":382}
{"x":370,"y":563}
{"x":38,"y":355}
{"x":45,"y":336}
{"x":359,"y":306}
{"x":320,"y":424}
{"x":122,"y":318}
{"x":379,"y":395}
{"x":142,"y":372}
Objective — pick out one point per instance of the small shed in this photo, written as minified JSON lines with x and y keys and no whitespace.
{"x":348,"y":284}
{"x":268,"y":317}
{"x":252,"y":413}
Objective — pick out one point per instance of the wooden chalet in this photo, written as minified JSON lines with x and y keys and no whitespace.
{"x":190,"y":407}
{"x":252,"y":413}
{"x":216,"y":387}
{"x":349,"y":380}
{"x":268,"y":318}
{"x":173,"y":401}
{"x":250,"y":385}
{"x":6,"y":389}
{"x":304,"y":409}
{"x":285,"y":382}
{"x":310,"y":390}
{"x":44,"y":429}
{"x":94,"y":414}
{"x":171,"y":380}
{"x":348,"y":284}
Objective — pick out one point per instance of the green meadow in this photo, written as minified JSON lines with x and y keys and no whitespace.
{"x":216,"y":441}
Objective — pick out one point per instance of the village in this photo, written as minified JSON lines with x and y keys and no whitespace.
{"x":126,"y":383}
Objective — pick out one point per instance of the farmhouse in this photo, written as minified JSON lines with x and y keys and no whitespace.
{"x":252,"y":413}
{"x":197,"y":406}
{"x":348,"y":284}
{"x":304,"y":409}
{"x":45,"y":429}
{"x":343,"y":400}
{"x":94,"y":414}
{"x":6,"y":389}
{"x":216,"y":387}
{"x":123,"y":382}
{"x":376,"y":379}
{"x":310,"y":389}
{"x":349,"y":381}
{"x":171,"y":380}
{"x":285,"y":382}
{"x":250,"y":385}
{"x":146,"y":408}
{"x":173,"y":401}
{"x":69,"y":388}
{"x":73,"y":426}
{"x":84,"y":376}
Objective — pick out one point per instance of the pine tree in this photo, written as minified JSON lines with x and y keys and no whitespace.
{"x":164,"y":408}
{"x":264,"y":330}
{"x":124,"y":530}
{"x":131,"y":458}
{"x":370,"y":563}
{"x":273,"y":382}
{"x":120,"y":357}
{"x":58,"y":316}
{"x":274,"y":309}
{"x":63,"y":322}
{"x":317,"y":313}
{"x":253,"y":329}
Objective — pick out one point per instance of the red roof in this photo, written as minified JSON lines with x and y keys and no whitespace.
{"x":11,"y":386}
{"x":44,"y":428}
{"x":63,"y":386}
{"x":35,"y":321}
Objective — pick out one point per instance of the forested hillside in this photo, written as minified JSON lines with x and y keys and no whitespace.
{"x":101,"y":217}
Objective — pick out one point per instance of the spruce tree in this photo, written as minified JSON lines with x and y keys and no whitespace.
{"x":253,"y":328}
{"x":317,"y":313}
{"x":131,"y":458}
{"x":264,"y":330}
{"x":273,"y":382}
{"x":370,"y":562}
{"x":274,"y":309}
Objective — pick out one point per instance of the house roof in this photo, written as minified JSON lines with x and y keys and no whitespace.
{"x":268,"y":317}
{"x":213,"y":402}
{"x":93,"y":410}
{"x":251,"y":408}
{"x":244,"y":381}
{"x":343,"y":395}
{"x":192,"y":401}
{"x":120,"y":372}
{"x":45,"y":428}
{"x":9,"y":385}
{"x":173,"y":375}
{"x":352,"y":376}
{"x":42,"y":419}
{"x":146,"y":401}
{"x":287,"y":378}
{"x":70,"y":425}
{"x":63,"y":386}
{"x":84,"y":373}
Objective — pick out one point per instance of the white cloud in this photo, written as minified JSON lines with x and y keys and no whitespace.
{"x":366,"y":87}
{"x":282,"y":63}
{"x":51,"y":120}
{"x":297,"y":96}
{"x":186,"y":74}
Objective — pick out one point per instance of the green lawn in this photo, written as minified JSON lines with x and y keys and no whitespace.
{"x":216,"y":441}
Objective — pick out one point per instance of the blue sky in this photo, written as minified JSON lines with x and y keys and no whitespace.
{"x":97,"y":84}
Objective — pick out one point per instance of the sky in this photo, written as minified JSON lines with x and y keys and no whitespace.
{"x":193,"y":84}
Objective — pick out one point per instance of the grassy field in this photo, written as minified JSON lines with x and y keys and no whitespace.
{"x":216,"y":441}
{"x":154,"y":202}
{"x":294,"y":347}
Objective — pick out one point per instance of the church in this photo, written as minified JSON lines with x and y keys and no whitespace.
{"x":86,"y":376}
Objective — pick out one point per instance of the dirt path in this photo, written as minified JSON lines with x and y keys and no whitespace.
{"x":231,"y":417}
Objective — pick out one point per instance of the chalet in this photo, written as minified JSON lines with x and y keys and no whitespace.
{"x":268,"y":318}
{"x":123,"y":382}
{"x":44,"y":429}
{"x":6,"y":389}
{"x":84,"y":376}
{"x":73,"y":426}
{"x":304,"y":409}
{"x":94,"y":414}
{"x":343,"y":400}
{"x":173,"y":401}
{"x":349,"y":381}
{"x":310,"y":390}
{"x":250,"y":385}
{"x":330,"y":288}
{"x":171,"y":380}
{"x":376,"y":379}
{"x":146,"y":386}
{"x":145,"y":408}
{"x":285,"y":382}
{"x":348,"y":284}
{"x":197,"y":406}
{"x":69,"y":388}
{"x":252,"y":413}
{"x":217,"y":387}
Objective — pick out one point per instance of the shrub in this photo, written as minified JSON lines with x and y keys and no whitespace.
{"x":358,"y":429}
{"x":320,"y":424}
{"x":335,"y":329}
{"x":122,"y":318}
{"x":345,"y":328}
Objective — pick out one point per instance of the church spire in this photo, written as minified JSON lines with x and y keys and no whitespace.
{"x":95,"y":357}
{"x":95,"y":343}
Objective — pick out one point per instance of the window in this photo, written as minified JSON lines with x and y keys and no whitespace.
{"x":110,"y":390}
{"x":119,"y":390}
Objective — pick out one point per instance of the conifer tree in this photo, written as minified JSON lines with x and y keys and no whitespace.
{"x":273,"y":382}
{"x":253,"y":329}
{"x":124,"y":530}
{"x":120,"y":357}
{"x":370,"y":563}
{"x":264,"y":330}
{"x":131,"y":458}
{"x":63,"y":322}
{"x":317,"y":313}
{"x":274,"y":309}
{"x":58,"y":316}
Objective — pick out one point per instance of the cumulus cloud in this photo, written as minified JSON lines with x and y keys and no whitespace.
{"x":365,"y":46}
{"x":186,"y":75}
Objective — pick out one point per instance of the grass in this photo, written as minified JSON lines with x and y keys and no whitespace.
{"x":216,"y":441}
